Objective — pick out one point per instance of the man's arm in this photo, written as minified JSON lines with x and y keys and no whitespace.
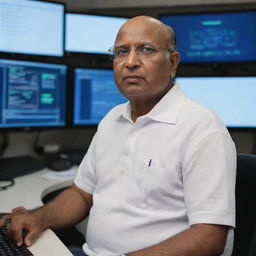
{"x":199,"y":240}
{"x":67,"y":209}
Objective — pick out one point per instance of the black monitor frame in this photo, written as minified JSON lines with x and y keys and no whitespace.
{"x":29,"y":56}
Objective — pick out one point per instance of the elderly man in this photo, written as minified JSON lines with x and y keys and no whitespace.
{"x":159,"y":176}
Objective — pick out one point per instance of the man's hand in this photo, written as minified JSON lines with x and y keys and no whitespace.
{"x":22,"y":221}
{"x":67,"y":209}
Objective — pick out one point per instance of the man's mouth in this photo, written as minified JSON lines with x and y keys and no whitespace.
{"x":132,"y":78}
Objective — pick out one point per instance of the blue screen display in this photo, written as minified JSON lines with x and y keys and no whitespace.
{"x":95,"y":93}
{"x":215,"y":37}
{"x":231,"y":98}
{"x":32,"y":94}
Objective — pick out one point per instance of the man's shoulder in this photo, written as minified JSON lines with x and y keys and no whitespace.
{"x":201,"y":117}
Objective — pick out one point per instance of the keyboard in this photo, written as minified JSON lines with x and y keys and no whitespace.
{"x":12,"y":167}
{"x":9,"y":248}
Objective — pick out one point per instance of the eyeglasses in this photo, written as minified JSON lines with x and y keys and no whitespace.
{"x":143,"y":50}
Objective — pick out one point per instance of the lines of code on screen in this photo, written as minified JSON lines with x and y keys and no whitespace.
{"x":32,"y":94}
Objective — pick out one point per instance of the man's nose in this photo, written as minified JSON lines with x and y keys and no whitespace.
{"x":133,"y":59}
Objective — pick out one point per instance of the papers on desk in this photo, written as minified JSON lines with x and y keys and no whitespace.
{"x":62,"y":175}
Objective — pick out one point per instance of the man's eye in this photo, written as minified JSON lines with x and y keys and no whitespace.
{"x":122,"y":51}
{"x":148,"y":49}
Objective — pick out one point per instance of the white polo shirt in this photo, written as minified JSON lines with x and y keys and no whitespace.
{"x":172,"y":168}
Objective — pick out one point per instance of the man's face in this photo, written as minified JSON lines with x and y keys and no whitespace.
{"x":146,"y":79}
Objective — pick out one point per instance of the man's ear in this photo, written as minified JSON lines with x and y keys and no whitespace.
{"x":174,"y":62}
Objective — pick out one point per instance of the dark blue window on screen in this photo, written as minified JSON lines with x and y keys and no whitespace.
{"x":215,"y":37}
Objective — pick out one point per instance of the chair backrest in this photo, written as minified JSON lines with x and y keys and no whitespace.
{"x":245,"y":239}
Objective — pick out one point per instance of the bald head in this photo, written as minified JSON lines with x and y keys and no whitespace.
{"x":164,"y":31}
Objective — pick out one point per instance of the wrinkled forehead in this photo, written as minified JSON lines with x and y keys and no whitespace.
{"x":140,"y":31}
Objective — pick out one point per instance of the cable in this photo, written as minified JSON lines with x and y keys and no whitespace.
{"x":4,"y":143}
{"x":37,"y":138}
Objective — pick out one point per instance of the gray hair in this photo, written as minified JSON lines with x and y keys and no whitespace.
{"x":172,"y":39}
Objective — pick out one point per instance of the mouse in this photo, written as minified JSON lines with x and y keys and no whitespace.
{"x":59,"y":164}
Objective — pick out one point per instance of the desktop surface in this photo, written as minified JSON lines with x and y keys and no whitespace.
{"x":28,"y":191}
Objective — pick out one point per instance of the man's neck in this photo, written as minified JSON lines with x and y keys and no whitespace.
{"x":141,"y":106}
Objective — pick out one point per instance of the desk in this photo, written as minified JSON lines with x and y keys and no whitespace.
{"x":28,"y":191}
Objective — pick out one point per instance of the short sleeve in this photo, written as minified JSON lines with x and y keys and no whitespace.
{"x":209,"y":174}
{"x":86,"y":176}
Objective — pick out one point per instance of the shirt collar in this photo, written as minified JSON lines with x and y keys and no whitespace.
{"x":168,"y":108}
{"x":165,"y":111}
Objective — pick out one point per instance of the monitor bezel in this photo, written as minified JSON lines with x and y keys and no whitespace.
{"x":6,"y":54}
{"x":40,"y":127}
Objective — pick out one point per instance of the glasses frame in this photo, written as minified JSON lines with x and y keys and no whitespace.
{"x":112,"y":51}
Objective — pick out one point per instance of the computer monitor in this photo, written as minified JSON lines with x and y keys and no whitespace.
{"x":32,"y":27}
{"x":91,"y":33}
{"x":231,"y":98}
{"x":215,"y":37}
{"x":95,"y":93}
{"x":32,"y":94}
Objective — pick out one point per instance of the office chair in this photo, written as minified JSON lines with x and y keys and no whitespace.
{"x":245,"y":232}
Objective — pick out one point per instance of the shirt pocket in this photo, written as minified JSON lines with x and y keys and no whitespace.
{"x":154,"y":187}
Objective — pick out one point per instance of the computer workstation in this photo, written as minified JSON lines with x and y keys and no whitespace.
{"x":38,"y":90}
{"x":33,"y":93}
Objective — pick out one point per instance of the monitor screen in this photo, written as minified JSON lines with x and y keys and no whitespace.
{"x":91,"y":33}
{"x":231,"y":98}
{"x":32,"y":27}
{"x":95,"y":93}
{"x":32,"y":94}
{"x":215,"y":37}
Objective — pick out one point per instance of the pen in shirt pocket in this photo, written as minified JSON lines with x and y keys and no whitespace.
{"x":150,"y":162}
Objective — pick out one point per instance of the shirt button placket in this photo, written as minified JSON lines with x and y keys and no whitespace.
{"x":126,"y":161}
